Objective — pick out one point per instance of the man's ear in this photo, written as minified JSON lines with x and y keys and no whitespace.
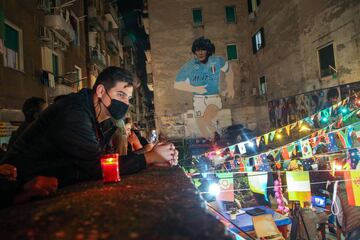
{"x":100,"y":91}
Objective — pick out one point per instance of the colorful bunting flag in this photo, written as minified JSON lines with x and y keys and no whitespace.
{"x":258,"y":183}
{"x":232,"y":149}
{"x":354,"y":156}
{"x":272,"y":135}
{"x":306,"y":149}
{"x":285,"y":153}
{"x":264,"y":166}
{"x":258,"y":141}
{"x":352,"y":183}
{"x":287,"y":130}
{"x":345,"y":137}
{"x":242,"y":148}
{"x":266,"y":138}
{"x":332,"y":142}
{"x":293,"y":125}
{"x":309,"y":120}
{"x":291,"y":149}
{"x":226,"y":183}
{"x":298,"y":183}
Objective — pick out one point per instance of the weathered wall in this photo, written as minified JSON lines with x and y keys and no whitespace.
{"x":294,"y":32}
{"x":16,"y":86}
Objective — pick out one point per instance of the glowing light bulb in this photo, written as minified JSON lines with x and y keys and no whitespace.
{"x":278,"y":136}
{"x":324,"y":119}
{"x":214,"y":189}
{"x":344,"y":110}
{"x":338,"y":167}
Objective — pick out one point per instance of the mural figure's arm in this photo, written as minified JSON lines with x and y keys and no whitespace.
{"x":186,"y":86}
{"x":229,"y":79}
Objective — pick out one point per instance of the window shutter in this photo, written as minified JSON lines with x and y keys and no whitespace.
{"x":262,"y":37}
{"x":55,"y":63}
{"x":250,"y":9}
{"x":11,"y":38}
{"x":253,"y":39}
{"x":230,"y":14}
{"x":197,"y":16}
{"x":231,"y":52}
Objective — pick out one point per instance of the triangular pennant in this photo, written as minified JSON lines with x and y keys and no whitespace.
{"x":287,"y":128}
{"x":272,"y":135}
{"x":258,"y":141}
{"x":344,"y":102}
{"x":293,"y":125}
{"x":266,"y":138}
{"x":291,"y":149}
{"x":232,"y":149}
{"x":319,"y":115}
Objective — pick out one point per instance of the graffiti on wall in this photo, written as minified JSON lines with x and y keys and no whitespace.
{"x":290,"y":109}
{"x":202,"y":76}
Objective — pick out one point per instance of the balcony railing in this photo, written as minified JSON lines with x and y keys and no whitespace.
{"x":59,"y":24}
{"x":95,"y":20}
{"x":96,"y":57}
{"x":112,"y":43}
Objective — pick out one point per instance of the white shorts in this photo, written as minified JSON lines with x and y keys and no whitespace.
{"x":201,"y":102}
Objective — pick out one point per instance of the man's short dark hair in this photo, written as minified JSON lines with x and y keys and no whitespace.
{"x":111,"y":75}
{"x":203,"y":44}
{"x":31,"y":106}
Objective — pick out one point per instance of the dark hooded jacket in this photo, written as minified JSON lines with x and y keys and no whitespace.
{"x":66,"y":142}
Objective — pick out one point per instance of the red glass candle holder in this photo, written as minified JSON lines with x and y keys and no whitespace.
{"x":110,"y":167}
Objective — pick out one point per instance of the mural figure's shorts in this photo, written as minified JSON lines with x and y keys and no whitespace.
{"x":201,"y":102}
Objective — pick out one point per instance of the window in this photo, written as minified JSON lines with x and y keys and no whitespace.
{"x":258,"y":40}
{"x":197,"y":16}
{"x":231,"y":51}
{"x":74,"y":21}
{"x":253,"y":5}
{"x":52,"y":61}
{"x":262,"y":85}
{"x":230,"y":14}
{"x":327,"y":61}
{"x":13,"y":47}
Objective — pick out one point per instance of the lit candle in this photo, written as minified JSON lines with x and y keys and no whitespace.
{"x":110,"y":167}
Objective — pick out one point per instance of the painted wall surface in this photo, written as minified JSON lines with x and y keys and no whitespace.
{"x":294,"y":32}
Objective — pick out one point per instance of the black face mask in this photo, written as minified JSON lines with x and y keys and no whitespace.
{"x":117,"y":108}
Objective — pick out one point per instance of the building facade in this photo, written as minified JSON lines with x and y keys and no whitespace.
{"x":274,"y":48}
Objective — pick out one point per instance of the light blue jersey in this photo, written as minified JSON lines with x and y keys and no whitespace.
{"x":200,"y":74}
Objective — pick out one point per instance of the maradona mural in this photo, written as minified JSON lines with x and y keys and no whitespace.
{"x":202,"y":76}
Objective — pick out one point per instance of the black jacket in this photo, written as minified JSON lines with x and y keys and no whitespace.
{"x":66,"y":142}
